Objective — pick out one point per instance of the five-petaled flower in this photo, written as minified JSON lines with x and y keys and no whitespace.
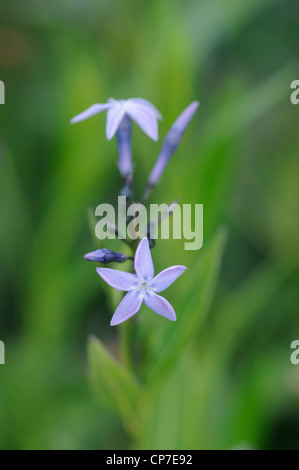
{"x":144,"y":113}
{"x":142,"y":286}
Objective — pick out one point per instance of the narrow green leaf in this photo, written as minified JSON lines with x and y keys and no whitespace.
{"x":114,"y":385}
{"x":198,"y":298}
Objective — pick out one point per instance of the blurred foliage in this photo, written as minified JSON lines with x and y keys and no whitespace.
{"x":220,"y":377}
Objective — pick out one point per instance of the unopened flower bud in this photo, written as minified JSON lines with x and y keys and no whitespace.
{"x":171,"y":142}
{"x":105,"y":256}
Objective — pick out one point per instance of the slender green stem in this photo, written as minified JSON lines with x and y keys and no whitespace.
{"x":127,"y":338}
{"x":127,"y":345}
{"x":146,"y":193}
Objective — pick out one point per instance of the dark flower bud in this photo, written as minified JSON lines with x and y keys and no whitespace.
{"x":105,"y":256}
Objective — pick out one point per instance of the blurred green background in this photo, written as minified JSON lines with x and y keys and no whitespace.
{"x":221,"y":376}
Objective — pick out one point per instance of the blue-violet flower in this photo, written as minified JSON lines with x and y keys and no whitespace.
{"x":144,"y":113}
{"x":142,"y":286}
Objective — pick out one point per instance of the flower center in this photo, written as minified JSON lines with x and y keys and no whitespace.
{"x":143,"y":286}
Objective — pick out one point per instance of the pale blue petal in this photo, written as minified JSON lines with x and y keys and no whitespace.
{"x":165,"y":278}
{"x":114,"y":117}
{"x":129,"y":305}
{"x":94,"y":109}
{"x":120,"y":280}
{"x":143,"y":262}
{"x":144,"y":117}
{"x":146,"y":104}
{"x":159,"y":305}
